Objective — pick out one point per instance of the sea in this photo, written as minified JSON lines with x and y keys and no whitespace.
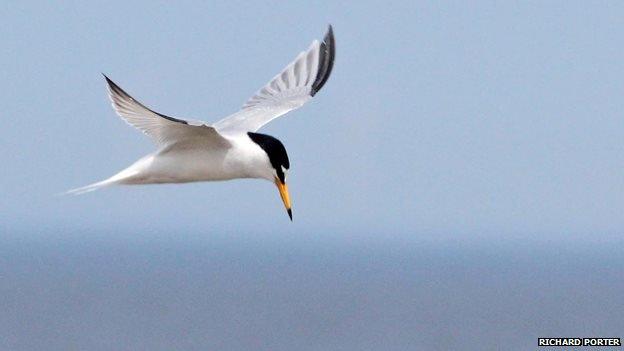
{"x":95,"y":291}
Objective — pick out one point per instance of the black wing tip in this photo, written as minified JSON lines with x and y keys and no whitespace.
{"x":326,"y":60}
{"x":113,"y":86}
{"x":108,"y":80}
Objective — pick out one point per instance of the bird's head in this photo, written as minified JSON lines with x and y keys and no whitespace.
{"x":279,"y":164}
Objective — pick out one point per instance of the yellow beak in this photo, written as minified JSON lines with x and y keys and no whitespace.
{"x":283,"y":190}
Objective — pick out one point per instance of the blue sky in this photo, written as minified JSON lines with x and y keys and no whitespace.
{"x":440,"y":118}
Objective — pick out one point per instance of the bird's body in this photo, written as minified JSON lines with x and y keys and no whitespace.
{"x":193,"y":151}
{"x":194,"y":162}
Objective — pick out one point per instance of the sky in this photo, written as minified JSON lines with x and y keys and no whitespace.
{"x":441,"y":119}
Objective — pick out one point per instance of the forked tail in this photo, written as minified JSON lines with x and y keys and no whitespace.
{"x":90,"y":187}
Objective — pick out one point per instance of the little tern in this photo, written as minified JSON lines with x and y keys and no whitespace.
{"x":194,"y":151}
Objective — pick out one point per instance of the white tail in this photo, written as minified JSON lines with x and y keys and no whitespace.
{"x":123,"y":177}
{"x":90,"y":187}
{"x":119,"y":178}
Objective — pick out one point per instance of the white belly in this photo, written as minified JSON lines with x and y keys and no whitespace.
{"x":182,"y":165}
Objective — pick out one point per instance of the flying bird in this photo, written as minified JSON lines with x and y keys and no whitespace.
{"x":194,"y":151}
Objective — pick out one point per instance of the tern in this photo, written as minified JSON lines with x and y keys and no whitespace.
{"x":231,"y":148}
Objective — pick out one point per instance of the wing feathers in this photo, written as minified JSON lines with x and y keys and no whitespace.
{"x":327,"y":54}
{"x":123,"y":102}
{"x":164,"y":130}
{"x":288,"y":90}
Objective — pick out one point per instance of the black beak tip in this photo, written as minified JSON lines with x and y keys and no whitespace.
{"x":289,"y":213}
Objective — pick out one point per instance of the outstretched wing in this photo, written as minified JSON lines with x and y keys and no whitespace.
{"x":164,"y":130}
{"x":289,"y":90}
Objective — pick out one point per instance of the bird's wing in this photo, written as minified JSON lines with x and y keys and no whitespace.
{"x":164,"y":130}
{"x":289,"y":90}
